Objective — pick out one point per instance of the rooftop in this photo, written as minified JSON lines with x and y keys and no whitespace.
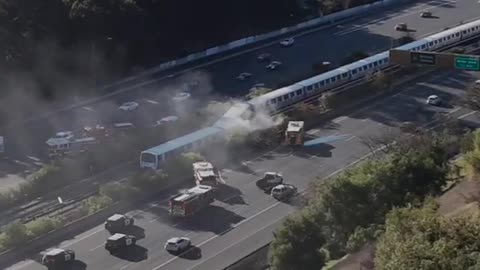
{"x":116,"y":236}
{"x":295,"y":126}
{"x":183,"y":141}
{"x":115,"y":217}
{"x":54,"y":252}
{"x":200,"y":189}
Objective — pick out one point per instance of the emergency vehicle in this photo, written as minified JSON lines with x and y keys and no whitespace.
{"x":191,"y":201}
{"x":119,"y":242}
{"x":57,"y":257}
{"x":205,"y":174}
{"x":98,"y":132}
{"x":294,"y":135}
{"x":118,"y":223}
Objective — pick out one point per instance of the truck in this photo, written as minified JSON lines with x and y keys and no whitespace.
{"x":205,"y":174}
{"x":294,"y":135}
{"x":118,"y":223}
{"x":191,"y":201}
{"x":269,"y":180}
{"x":120,"y":242}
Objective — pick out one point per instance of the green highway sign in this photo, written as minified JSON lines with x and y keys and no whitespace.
{"x":467,"y":62}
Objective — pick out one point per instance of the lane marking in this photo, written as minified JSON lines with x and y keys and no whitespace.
{"x":466,"y":115}
{"x":125,"y":266}
{"x":88,"y":109}
{"x":99,"y":246}
{"x":151,"y":101}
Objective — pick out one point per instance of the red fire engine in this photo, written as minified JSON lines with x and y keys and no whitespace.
{"x":205,"y":174}
{"x":191,"y":201}
{"x":294,"y":134}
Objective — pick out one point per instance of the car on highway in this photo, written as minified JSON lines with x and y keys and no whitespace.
{"x":269,"y":180}
{"x":263,"y":57}
{"x":58,"y":258}
{"x":401,"y":27}
{"x":119,"y":242}
{"x":283,"y":191}
{"x":477,"y":82}
{"x":180,"y":97}
{"x":243,"y":76}
{"x":287,"y":42}
{"x":434,"y":100}
{"x":118,"y":223}
{"x":66,"y":135}
{"x":273,"y":65}
{"x":166,"y":120}
{"x":426,"y":14}
{"x":177,"y":244}
{"x":129,"y":106}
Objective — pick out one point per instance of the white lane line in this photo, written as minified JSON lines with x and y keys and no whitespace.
{"x":88,"y":109}
{"x":466,"y":115}
{"x":125,"y":266}
{"x":151,"y":101}
{"x":351,"y":138}
{"x":99,"y":246}
{"x":237,"y":242}
{"x":340,"y":119}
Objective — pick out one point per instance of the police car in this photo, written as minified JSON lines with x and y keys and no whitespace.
{"x":57,"y":257}
{"x":117,"y":223}
{"x":119,"y":242}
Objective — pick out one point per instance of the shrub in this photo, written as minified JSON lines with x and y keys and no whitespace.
{"x":43,"y":225}
{"x":150,"y":181}
{"x":97,"y":203}
{"x":116,"y":191}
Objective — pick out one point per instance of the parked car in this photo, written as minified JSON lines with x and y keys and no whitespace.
{"x":128,"y":106}
{"x":287,"y":42}
{"x":178,"y":244}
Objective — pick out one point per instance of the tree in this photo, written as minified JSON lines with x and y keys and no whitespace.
{"x":150,"y":181}
{"x":15,"y":234}
{"x":297,"y":244}
{"x":472,"y":97}
{"x":470,"y":161}
{"x":419,"y":238}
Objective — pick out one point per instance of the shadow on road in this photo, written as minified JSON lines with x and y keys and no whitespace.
{"x":194,"y":253}
{"x":134,"y":254}
{"x":319,"y":150}
{"x":211,"y":219}
{"x":136,"y":231}
{"x":230,"y":195}
{"x":75,"y":265}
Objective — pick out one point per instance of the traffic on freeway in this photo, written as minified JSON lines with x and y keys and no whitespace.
{"x":243,"y":217}
{"x":212,"y":81}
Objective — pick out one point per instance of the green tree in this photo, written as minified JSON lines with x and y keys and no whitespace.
{"x":116,"y":191}
{"x":43,"y":225}
{"x":419,"y":238}
{"x":470,"y":161}
{"x":298,"y":244}
{"x":150,"y":181}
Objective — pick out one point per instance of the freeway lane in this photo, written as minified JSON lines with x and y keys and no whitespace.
{"x":243,"y":217}
{"x":372,"y":34}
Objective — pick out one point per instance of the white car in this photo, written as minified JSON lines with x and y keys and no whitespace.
{"x":67,"y":135}
{"x":177,"y":244}
{"x":166,"y":120}
{"x":129,"y":106}
{"x":287,"y":42}
{"x":273,"y":65}
{"x":434,"y":100}
{"x":283,"y":191}
{"x":243,"y":76}
{"x":181,"y":97}
{"x":477,"y":82}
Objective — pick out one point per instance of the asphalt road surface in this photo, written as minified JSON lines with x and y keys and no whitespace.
{"x":217,"y":78}
{"x":244,"y":217}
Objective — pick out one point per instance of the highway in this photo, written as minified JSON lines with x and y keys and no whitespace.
{"x":216,"y":79}
{"x":243,"y":218}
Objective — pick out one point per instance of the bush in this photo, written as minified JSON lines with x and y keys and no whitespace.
{"x":150,"y":181}
{"x":97,"y":203}
{"x":43,"y":225}
{"x":15,"y":234}
{"x":362,"y":236}
{"x":116,"y":191}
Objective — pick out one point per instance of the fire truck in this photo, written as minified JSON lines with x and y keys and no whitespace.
{"x":294,"y":135}
{"x":191,"y":201}
{"x":205,"y":174}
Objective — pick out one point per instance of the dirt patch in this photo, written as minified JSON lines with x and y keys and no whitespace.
{"x":13,"y":172}
{"x":462,"y":197}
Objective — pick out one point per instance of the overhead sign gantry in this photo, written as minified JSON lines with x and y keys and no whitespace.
{"x":436,"y":59}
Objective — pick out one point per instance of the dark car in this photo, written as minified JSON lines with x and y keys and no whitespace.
{"x":269,"y":180}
